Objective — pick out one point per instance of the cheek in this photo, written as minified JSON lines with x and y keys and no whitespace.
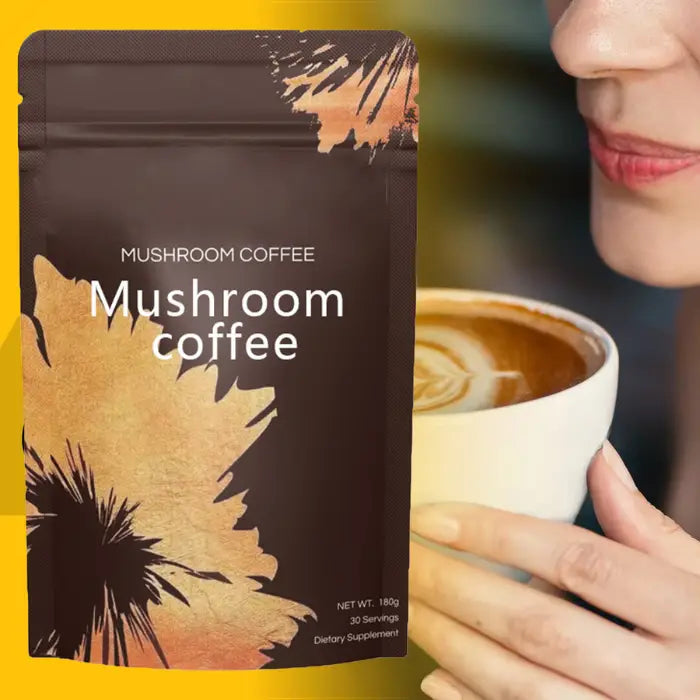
{"x":555,"y":9}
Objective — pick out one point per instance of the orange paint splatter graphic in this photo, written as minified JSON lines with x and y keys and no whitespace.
{"x":126,"y":459}
{"x":366,"y":93}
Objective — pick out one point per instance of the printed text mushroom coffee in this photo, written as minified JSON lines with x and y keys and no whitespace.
{"x":218,"y":234}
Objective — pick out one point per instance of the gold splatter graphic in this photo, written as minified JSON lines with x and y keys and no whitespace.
{"x":144,"y":432}
{"x":371,"y":98}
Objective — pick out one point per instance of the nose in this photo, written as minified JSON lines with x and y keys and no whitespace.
{"x":601,"y":38}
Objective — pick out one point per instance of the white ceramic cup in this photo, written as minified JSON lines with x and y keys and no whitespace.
{"x":530,"y":458}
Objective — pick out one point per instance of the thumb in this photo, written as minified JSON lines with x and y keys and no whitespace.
{"x":627,"y":517}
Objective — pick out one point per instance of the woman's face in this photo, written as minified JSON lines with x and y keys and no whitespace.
{"x":638,"y":69}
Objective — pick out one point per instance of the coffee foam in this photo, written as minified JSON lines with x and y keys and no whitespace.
{"x":476,"y":355}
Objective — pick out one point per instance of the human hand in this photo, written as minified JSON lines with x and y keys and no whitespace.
{"x":496,"y":638}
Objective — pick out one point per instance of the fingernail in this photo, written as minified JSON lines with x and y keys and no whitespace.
{"x":614,"y":461}
{"x":437,"y":688}
{"x":429,"y":522}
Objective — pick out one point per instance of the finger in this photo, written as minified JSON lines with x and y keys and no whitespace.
{"x":440,"y":685}
{"x":648,"y":593}
{"x":487,"y":669}
{"x":627,"y":517}
{"x":545,"y":630}
{"x":538,"y":584}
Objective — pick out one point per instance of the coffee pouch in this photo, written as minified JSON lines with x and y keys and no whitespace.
{"x":217,"y":271}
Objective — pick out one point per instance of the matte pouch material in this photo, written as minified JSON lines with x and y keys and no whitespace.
{"x":217,"y":270}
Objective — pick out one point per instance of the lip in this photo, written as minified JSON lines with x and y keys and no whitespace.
{"x":634,"y":161}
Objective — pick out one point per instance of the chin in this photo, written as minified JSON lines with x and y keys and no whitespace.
{"x":657,"y":273}
{"x":651,"y":238}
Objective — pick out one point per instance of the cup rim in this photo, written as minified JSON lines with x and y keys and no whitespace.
{"x":583,"y":323}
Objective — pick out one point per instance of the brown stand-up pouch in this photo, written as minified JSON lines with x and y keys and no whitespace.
{"x":217,"y":270}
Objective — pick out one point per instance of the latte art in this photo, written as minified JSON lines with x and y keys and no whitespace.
{"x":456,"y":371}
{"x":483,"y":355}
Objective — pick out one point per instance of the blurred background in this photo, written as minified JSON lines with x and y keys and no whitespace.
{"x":504,"y":199}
